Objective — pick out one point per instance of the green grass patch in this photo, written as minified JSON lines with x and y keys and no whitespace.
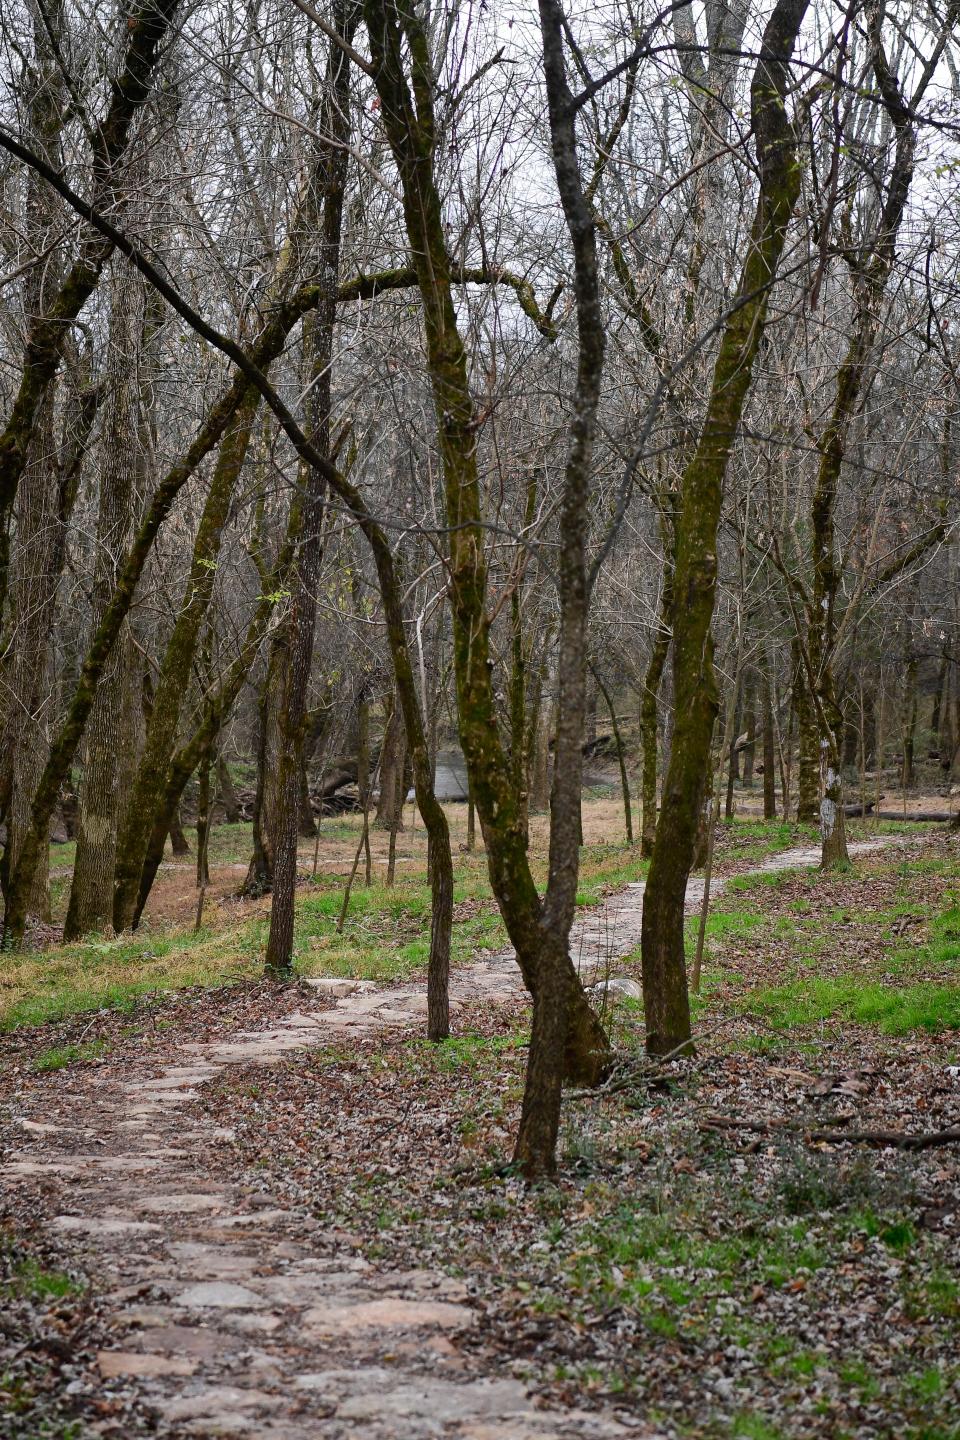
{"x":30,"y":1280}
{"x":767,"y":880}
{"x":114,"y":974}
{"x":894,"y":1010}
{"x":59,"y":1056}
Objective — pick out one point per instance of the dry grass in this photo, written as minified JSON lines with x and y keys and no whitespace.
{"x":386,"y":935}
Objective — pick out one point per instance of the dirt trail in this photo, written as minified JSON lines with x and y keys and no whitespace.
{"x":236,"y":1316}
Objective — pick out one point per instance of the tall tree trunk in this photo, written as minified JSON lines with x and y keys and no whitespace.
{"x":392,"y":760}
{"x":750,"y":725}
{"x":228,"y":793}
{"x":327,"y":204}
{"x":170,"y":695}
{"x":621,"y":759}
{"x":937,"y":705}
{"x":871,"y":264}
{"x":909,"y":723}
{"x":36,"y":569}
{"x":259,"y":877}
{"x":769,"y":754}
{"x":396,"y":36}
{"x":648,"y":716}
{"x":666,"y":1001}
{"x":110,"y":727}
{"x":808,"y":761}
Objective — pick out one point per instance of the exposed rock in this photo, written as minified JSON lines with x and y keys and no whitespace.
{"x":115,"y":1363}
{"x":620,"y":986}
{"x":219,"y":1295}
{"x":386,"y":1315}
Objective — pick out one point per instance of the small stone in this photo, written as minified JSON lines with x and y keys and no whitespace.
{"x":114,"y":1363}
{"x":219,"y":1295}
{"x":215,"y":1401}
{"x":255,"y":1322}
{"x":198,"y":1341}
{"x":97,"y":1225}
{"x":621,"y":986}
{"x":262,"y":1217}
{"x":182,"y":1204}
{"x":334,"y":986}
{"x":387,"y":1315}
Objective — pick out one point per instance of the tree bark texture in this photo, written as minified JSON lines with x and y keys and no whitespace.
{"x":666,"y":999}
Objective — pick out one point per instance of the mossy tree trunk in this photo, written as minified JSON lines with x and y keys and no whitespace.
{"x":871,"y":263}
{"x":110,"y":729}
{"x":326,"y":202}
{"x":176,"y":668}
{"x":696,"y":702}
{"x":259,"y":877}
{"x":649,"y":704}
{"x":567,"y":1036}
{"x":216,"y":709}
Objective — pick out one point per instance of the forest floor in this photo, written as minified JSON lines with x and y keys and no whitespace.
{"x":233,"y":1208}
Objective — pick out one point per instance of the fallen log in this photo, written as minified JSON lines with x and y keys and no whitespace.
{"x":896,"y":1139}
{"x":934,"y":816}
{"x":856,"y":811}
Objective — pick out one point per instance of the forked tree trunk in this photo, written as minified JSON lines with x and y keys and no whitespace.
{"x":539,"y":932}
{"x":179,"y":843}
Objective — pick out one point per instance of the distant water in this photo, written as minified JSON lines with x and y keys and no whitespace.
{"x":451,"y":783}
{"x":452,"y":777}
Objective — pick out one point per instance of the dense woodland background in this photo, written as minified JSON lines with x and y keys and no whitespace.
{"x":383,"y":378}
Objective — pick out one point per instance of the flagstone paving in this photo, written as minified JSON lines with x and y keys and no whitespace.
{"x":234,"y":1315}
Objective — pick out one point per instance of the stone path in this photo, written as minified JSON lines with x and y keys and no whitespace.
{"x":234,"y":1315}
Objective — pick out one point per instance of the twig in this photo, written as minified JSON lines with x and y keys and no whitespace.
{"x":624,"y":1077}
